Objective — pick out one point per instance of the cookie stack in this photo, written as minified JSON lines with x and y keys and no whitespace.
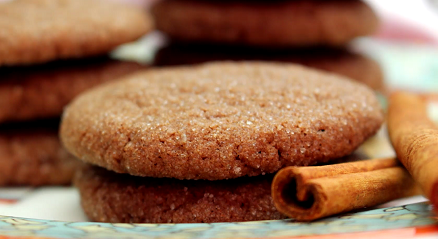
{"x":200,"y":143}
{"x":50,"y":51}
{"x":308,"y":32}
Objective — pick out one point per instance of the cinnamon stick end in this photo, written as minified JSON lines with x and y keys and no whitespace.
{"x":284,"y":194}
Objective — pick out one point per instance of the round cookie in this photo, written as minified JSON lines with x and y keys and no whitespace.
{"x":31,"y":154}
{"x":265,"y":23}
{"x":336,"y":60}
{"x":42,"y":91}
{"x":219,"y":120}
{"x":119,"y":198}
{"x":36,"y":31}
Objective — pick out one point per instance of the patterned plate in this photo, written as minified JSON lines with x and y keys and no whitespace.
{"x":415,"y":215}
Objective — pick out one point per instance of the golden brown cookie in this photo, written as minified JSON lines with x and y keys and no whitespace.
{"x":41,"y":91}
{"x":336,"y":60}
{"x":36,"y":31}
{"x":110,"y":197}
{"x":265,"y":23}
{"x":31,"y":154}
{"x":220,"y":120}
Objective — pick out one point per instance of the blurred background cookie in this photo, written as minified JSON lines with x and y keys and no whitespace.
{"x":314,"y":33}
{"x":41,"y":91}
{"x":50,"y":51}
{"x":336,"y":60}
{"x":272,"y":24}
{"x":31,"y":154}
{"x":36,"y":31}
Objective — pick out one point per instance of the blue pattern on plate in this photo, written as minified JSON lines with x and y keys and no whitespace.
{"x":419,"y":214}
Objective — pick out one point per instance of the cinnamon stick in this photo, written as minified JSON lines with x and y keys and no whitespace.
{"x":415,"y":139}
{"x":309,"y":193}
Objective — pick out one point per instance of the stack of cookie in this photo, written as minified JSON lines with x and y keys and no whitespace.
{"x":308,"y":32}
{"x":200,"y":143}
{"x":50,"y":51}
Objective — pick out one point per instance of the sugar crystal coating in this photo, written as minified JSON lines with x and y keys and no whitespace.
{"x":220,"y":120}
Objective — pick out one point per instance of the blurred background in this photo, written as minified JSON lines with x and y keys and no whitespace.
{"x":402,"y":19}
{"x":408,"y":20}
{"x":405,"y":46}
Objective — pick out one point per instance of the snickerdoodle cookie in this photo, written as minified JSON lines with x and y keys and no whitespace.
{"x":42,"y":90}
{"x":336,"y":60}
{"x":110,"y":197}
{"x":31,"y":154}
{"x":220,"y":120}
{"x":276,"y":23}
{"x":36,"y":31}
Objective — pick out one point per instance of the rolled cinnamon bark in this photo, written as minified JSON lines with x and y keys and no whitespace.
{"x":415,"y":139}
{"x":309,"y":193}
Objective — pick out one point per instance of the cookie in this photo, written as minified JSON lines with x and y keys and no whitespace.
{"x":110,"y":197}
{"x":31,"y":154}
{"x":36,"y":31}
{"x":265,"y":23}
{"x":41,"y":91}
{"x":337,"y":60}
{"x":219,"y":120}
